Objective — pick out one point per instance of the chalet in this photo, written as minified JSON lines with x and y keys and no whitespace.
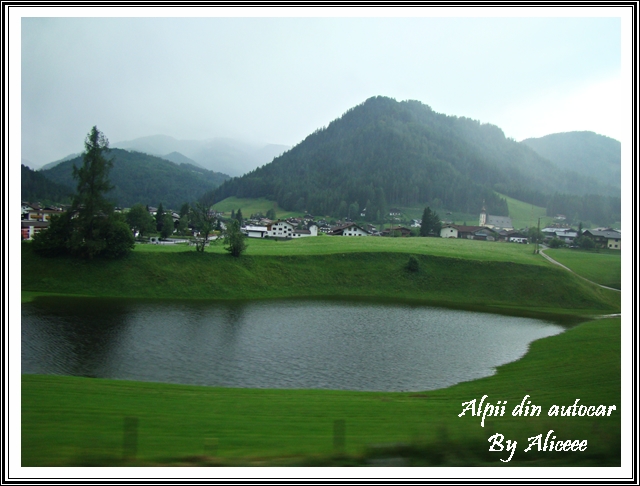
{"x":37,"y":213}
{"x":30,"y":228}
{"x":280,"y":229}
{"x":396,"y":231}
{"x":562,"y":233}
{"x":301,"y":233}
{"x":449,"y":231}
{"x":36,"y":218}
{"x":469,"y":232}
{"x":349,"y":229}
{"x":607,"y":238}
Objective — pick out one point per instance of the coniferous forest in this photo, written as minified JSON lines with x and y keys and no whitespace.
{"x":386,"y":153}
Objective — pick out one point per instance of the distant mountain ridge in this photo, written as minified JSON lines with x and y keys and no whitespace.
{"x":584,"y":152}
{"x":226,"y":155}
{"x":383,"y":152}
{"x":145,"y":179}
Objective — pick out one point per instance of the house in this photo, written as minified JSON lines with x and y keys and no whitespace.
{"x":349,"y":229}
{"x":607,"y":238}
{"x":36,"y":218}
{"x":36,"y":213}
{"x":30,"y":228}
{"x":516,"y":237}
{"x":312,"y":230}
{"x":280,"y":229}
{"x":449,"y":231}
{"x":396,"y":231}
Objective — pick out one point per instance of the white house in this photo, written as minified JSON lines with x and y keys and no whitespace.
{"x":302,"y":233}
{"x":350,"y":229}
{"x":449,"y":231}
{"x":280,"y":229}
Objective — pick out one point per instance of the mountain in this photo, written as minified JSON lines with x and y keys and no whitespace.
{"x":178,"y":158}
{"x":225,"y":155}
{"x":585,"y":152}
{"x":56,"y":162}
{"x":383,"y":152}
{"x":143,"y":178}
{"x":35,"y":187}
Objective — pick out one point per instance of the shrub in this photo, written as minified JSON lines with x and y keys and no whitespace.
{"x":412,"y":264}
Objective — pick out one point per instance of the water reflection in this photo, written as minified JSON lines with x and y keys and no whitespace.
{"x":272,"y":344}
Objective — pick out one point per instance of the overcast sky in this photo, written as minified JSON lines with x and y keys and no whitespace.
{"x":276,"y":80}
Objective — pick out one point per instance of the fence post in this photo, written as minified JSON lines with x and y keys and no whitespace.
{"x":339,"y":428}
{"x":130,"y":438}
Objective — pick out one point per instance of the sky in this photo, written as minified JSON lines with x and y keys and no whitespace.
{"x":277,"y":79}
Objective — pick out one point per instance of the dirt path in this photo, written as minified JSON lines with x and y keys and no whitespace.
{"x":567,"y":268}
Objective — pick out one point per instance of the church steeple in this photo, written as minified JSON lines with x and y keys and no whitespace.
{"x":483,"y":215}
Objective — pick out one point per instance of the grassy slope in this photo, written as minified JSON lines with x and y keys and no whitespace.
{"x":68,"y":420}
{"x":252,"y":206}
{"x":307,"y":268}
{"x":525,"y":215}
{"x":603,"y":267}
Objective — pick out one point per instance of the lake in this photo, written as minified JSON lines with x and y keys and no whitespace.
{"x":272,"y":344}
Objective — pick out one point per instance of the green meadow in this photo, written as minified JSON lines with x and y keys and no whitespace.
{"x":603,"y":267}
{"x":80,"y":421}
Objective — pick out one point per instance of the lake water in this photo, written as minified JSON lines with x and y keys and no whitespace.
{"x":272,"y":344}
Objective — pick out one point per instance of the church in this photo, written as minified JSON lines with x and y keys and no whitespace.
{"x":495,"y":222}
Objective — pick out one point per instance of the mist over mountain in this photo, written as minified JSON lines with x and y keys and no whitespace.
{"x":178,"y":158}
{"x":226,"y":155}
{"x":145,"y":179}
{"x":583,"y":152}
{"x":383,"y":152}
{"x":56,"y":162}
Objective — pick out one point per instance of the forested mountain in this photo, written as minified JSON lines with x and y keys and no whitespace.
{"x":145,"y":179}
{"x":56,"y":162}
{"x":35,"y":187}
{"x":225,"y":155}
{"x":383,"y":152}
{"x":584,"y":152}
{"x":178,"y":158}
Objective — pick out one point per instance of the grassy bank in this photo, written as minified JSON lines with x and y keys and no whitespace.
{"x":491,"y":281}
{"x":79,"y":421}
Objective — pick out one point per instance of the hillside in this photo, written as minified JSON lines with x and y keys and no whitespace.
{"x":584,"y":152}
{"x":145,"y":179}
{"x":384,"y":152}
{"x":225,"y":155}
{"x":35,"y":187}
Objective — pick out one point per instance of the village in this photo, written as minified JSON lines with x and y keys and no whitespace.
{"x":489,"y":228}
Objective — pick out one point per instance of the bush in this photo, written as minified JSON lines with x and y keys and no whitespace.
{"x":556,"y":243}
{"x":412,"y":264}
{"x":54,"y":240}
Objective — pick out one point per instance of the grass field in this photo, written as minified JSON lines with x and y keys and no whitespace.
{"x":502,"y":276}
{"x":79,"y":421}
{"x":327,"y":245}
{"x":603,"y":267}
